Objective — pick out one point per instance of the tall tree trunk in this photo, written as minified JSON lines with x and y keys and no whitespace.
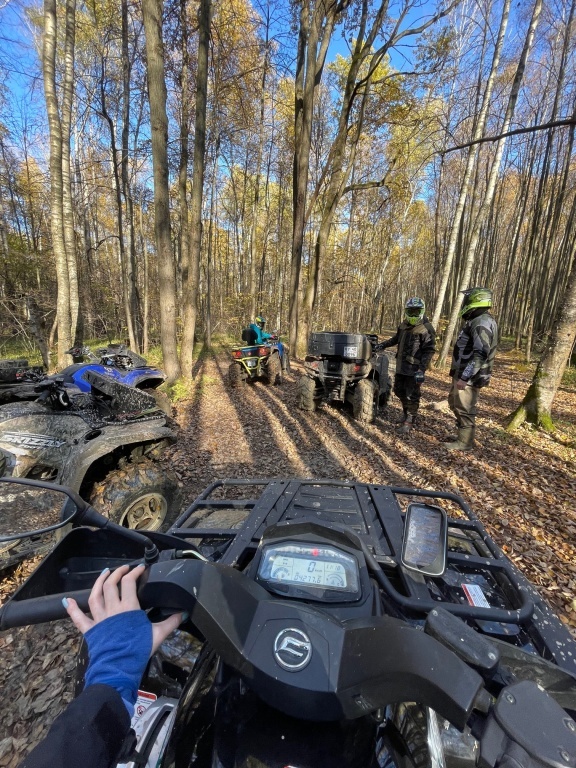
{"x":67,"y":209}
{"x":191,"y":279}
{"x":311,"y":57}
{"x":152,"y":14}
{"x":132,"y":300}
{"x":56,"y":182}
{"x":252,"y":236}
{"x":184,"y":153}
{"x":209,"y":249}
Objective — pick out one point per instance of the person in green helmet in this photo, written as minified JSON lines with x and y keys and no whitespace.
{"x":258,"y":328}
{"x":472,"y":363}
{"x":416,"y":341}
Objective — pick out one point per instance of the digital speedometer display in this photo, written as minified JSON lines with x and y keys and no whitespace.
{"x":298,"y":564}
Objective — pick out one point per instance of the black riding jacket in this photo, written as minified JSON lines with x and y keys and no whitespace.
{"x":475,"y":349}
{"x":90,"y":733}
{"x":416,"y":345}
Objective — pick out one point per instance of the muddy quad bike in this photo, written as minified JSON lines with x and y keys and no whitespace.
{"x":119,"y":363}
{"x":17,"y":380}
{"x":115,"y":361}
{"x":336,"y":625}
{"x":267,"y":361}
{"x":342,"y":367}
{"x":104,"y":444}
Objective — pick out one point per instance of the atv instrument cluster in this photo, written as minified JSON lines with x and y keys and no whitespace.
{"x":307,"y":565}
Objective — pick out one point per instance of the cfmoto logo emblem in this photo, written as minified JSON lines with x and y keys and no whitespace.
{"x":292,"y":649}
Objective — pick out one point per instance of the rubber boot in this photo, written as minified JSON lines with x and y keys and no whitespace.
{"x":407,"y":425}
{"x":452,"y":438}
{"x":404,"y":416}
{"x":464,"y":442}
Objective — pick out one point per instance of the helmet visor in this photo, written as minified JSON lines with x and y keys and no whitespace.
{"x":414,"y":311}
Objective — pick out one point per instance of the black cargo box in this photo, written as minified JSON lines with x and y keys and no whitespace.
{"x":350,"y":346}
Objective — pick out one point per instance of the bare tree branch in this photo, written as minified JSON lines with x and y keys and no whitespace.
{"x":516,"y":132}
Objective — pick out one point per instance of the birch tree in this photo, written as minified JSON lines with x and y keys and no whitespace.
{"x":152,"y":14}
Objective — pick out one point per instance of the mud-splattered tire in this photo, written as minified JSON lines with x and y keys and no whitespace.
{"x":274,"y":369}
{"x":306,"y":394}
{"x":236,"y":377}
{"x":140,"y":496}
{"x":363,"y":401}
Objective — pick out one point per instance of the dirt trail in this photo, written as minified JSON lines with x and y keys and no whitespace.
{"x":522,"y":487}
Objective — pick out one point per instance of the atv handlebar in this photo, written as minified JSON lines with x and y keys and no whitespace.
{"x":393,"y":662}
{"x":40,"y":609}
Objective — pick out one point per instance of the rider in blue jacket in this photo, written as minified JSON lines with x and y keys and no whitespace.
{"x":93,"y":731}
{"x":258,"y":327}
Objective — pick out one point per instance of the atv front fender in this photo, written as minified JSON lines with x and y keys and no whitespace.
{"x":95,"y":446}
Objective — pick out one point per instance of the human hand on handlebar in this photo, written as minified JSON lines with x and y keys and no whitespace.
{"x":115,"y":593}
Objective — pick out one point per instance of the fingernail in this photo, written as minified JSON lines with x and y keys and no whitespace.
{"x":185,"y":617}
{"x":104,"y":571}
{"x":65,"y":602}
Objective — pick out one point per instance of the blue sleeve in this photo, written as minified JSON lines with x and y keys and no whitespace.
{"x":119,"y":648}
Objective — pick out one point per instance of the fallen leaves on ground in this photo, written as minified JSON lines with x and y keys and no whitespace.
{"x":522,"y":486}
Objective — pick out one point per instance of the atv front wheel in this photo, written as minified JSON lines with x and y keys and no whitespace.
{"x":140,"y":496}
{"x":306,"y":394}
{"x":363,"y":401}
{"x":236,"y":376}
{"x":274,"y":369}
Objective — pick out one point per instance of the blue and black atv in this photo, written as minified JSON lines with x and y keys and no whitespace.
{"x":115,"y":361}
{"x":268,"y":360}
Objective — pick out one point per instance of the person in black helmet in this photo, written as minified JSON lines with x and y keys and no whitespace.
{"x":416,"y":341}
{"x":472,"y":363}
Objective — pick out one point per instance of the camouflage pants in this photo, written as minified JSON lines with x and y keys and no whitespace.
{"x":462,"y":403}
{"x":408,"y":392}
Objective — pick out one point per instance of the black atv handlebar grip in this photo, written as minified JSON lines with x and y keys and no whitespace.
{"x":36,"y":610}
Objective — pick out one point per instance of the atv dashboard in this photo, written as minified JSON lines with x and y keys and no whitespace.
{"x":479,"y":583}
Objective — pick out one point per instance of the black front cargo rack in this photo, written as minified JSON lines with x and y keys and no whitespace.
{"x":373,"y":513}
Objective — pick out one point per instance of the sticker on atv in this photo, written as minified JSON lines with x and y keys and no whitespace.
{"x":475,"y":596}
{"x":32,"y":441}
{"x":142,"y":703}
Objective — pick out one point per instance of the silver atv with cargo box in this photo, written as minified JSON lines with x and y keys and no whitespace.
{"x":103,"y":444}
{"x":343,"y":367}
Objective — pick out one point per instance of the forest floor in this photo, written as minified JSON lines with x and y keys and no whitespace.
{"x":522,"y":485}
